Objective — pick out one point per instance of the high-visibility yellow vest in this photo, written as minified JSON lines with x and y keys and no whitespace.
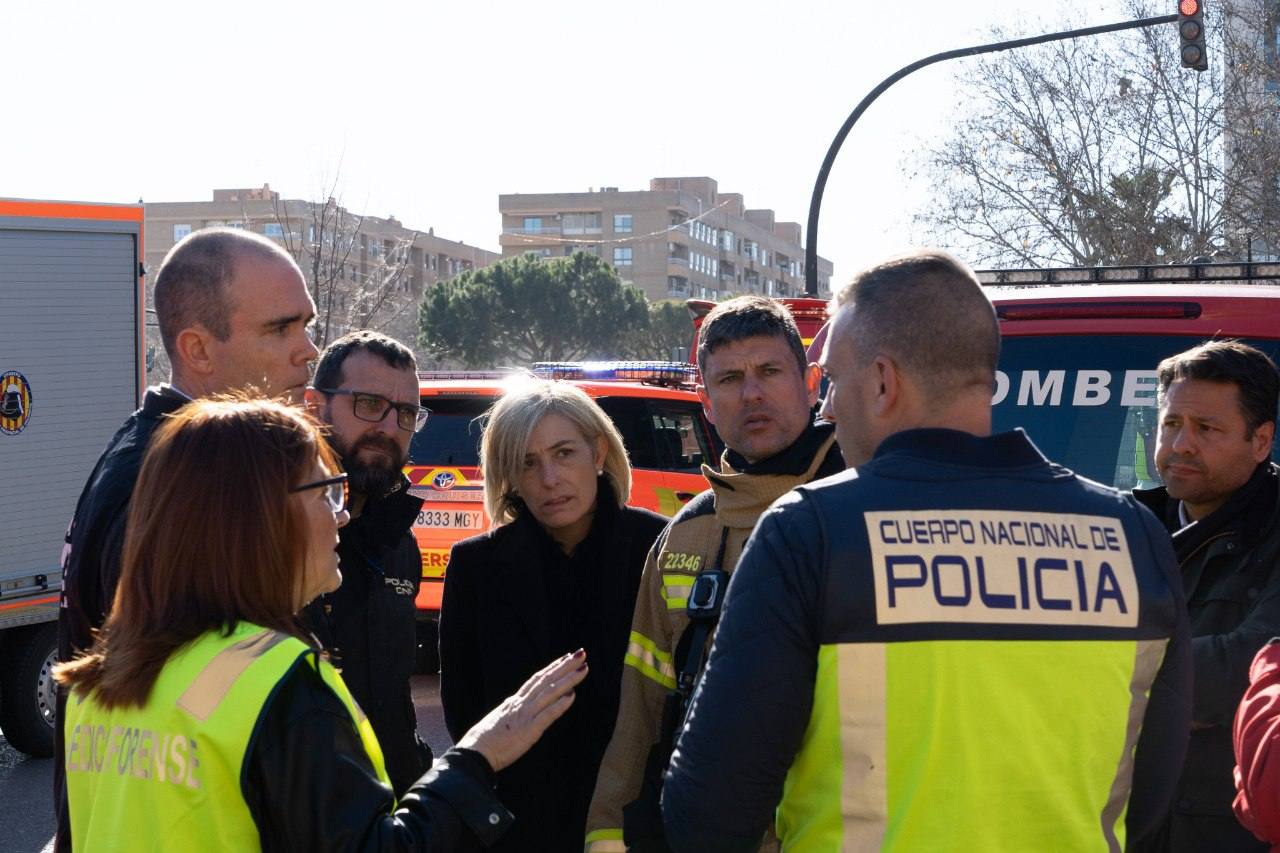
{"x":167,"y":775}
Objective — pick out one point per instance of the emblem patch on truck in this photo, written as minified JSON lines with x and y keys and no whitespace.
{"x":15,"y":402}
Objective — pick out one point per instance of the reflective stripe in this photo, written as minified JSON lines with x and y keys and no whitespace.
{"x":675,"y":590}
{"x":605,"y":841}
{"x":1148,"y":656}
{"x":644,"y":655}
{"x":862,"y":699}
{"x":210,"y":687}
{"x":668,"y":503}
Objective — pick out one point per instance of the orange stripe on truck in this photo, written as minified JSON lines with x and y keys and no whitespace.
{"x":53,"y":599}
{"x":71,"y":210}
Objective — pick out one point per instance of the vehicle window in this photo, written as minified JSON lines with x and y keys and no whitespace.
{"x":452,"y":433}
{"x":1088,"y":401}
{"x":659,"y":435}
{"x":681,"y":442}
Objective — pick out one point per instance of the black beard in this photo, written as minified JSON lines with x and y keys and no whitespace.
{"x":374,"y":479}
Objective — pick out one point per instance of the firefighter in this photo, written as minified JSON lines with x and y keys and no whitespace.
{"x":759,"y":389}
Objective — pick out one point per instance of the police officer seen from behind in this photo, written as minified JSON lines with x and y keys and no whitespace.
{"x":1219,"y":500}
{"x":234,"y":313}
{"x":366,"y":391}
{"x":950,"y":646}
{"x":759,"y":389}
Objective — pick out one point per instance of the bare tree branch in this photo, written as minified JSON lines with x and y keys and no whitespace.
{"x":1106,"y":151}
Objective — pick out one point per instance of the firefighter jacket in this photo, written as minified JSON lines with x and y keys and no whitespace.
{"x":251,"y":741}
{"x":958,"y":646}
{"x":689,"y":544}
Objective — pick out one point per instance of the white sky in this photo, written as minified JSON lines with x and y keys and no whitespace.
{"x":433,"y":109}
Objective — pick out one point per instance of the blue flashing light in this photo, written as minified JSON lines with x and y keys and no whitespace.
{"x":661,"y":372}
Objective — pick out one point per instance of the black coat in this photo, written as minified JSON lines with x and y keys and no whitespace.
{"x":513,"y":603}
{"x":91,"y":560}
{"x":369,"y":626}
{"x":1228,"y":561}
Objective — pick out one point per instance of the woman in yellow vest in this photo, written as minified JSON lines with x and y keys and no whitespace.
{"x":203,"y":718}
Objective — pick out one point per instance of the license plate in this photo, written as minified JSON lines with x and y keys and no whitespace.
{"x":457,"y":519}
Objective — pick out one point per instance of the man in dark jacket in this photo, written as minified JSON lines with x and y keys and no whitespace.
{"x":234,"y":313}
{"x":952,"y":646}
{"x":1217,"y":422}
{"x":366,"y":391}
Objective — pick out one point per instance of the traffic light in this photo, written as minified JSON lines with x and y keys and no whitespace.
{"x":1191,"y":34}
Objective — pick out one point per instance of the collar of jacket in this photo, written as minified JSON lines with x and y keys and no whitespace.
{"x":1252,"y":511}
{"x":793,"y":460}
{"x":387,"y":518}
{"x":742,"y":496}
{"x":161,"y":400}
{"x":531,"y":531}
{"x":1003,"y":451}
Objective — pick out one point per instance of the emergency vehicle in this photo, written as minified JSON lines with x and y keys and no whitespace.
{"x":809,"y":313}
{"x":653,"y":404}
{"x":1080,"y":347}
{"x":71,"y":371}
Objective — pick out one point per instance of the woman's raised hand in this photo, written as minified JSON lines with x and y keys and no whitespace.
{"x":509,"y":730}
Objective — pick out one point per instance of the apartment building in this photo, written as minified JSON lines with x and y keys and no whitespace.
{"x":372,"y":270}
{"x":681,"y":238}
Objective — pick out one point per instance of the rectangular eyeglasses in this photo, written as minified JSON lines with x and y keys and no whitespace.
{"x":335,"y":491}
{"x":373,"y":408}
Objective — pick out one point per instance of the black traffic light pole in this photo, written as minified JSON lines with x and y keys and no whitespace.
{"x":815,"y":205}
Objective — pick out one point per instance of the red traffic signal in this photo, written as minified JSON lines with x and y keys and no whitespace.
{"x":1191,"y":35}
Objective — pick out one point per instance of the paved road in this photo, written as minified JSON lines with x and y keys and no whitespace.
{"x":26,"y":811}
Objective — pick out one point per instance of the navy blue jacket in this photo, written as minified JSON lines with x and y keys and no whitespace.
{"x":844,"y":564}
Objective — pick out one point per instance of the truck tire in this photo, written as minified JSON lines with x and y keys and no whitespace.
{"x":28,"y":709}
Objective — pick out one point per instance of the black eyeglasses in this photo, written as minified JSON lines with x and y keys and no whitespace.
{"x":373,"y":408}
{"x":335,"y":491}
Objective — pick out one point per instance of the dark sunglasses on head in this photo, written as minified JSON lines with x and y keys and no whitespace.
{"x":373,"y":408}
{"x":335,"y":491}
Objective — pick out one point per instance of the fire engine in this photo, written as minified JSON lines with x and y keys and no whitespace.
{"x":1080,"y":347}
{"x":70,"y":373}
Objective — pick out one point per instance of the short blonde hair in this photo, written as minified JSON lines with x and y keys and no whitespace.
{"x":511,"y":421}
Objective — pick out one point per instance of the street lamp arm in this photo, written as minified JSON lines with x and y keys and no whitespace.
{"x":815,"y":203}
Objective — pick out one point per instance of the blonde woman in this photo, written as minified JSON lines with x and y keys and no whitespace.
{"x":558,"y":571}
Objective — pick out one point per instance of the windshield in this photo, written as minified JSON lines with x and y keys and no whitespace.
{"x":452,"y":433}
{"x":1089,"y":401}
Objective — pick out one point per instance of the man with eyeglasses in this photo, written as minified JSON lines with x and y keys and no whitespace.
{"x":366,"y":390}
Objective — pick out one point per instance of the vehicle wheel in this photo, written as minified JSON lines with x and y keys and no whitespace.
{"x":428,"y":657}
{"x":29,"y":710}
